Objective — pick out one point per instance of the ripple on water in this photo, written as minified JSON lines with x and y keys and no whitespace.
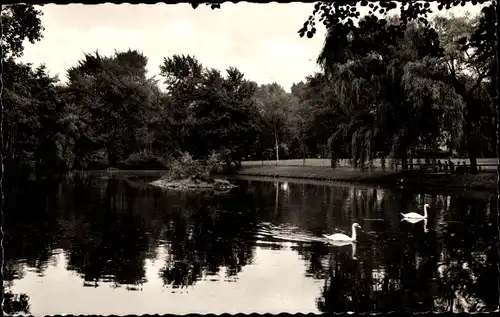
{"x":286,"y":233}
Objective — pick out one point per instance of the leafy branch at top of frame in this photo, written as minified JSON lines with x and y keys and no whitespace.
{"x":213,"y":5}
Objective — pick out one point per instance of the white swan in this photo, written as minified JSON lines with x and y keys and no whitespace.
{"x":340,"y":237}
{"x":414,"y":215}
{"x":413,"y":220}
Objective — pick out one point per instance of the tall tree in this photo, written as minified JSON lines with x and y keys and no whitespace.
{"x":318,"y":101}
{"x":182,"y":74}
{"x":216,"y":113}
{"x":20,"y":22}
{"x":468,"y":70}
{"x":225,"y":114}
{"x":120,"y":99}
{"x":273,"y":103}
{"x":299,"y":125}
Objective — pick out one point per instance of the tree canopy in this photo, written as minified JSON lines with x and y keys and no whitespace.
{"x":391,"y":88}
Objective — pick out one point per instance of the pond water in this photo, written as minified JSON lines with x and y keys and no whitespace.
{"x":110,"y":244}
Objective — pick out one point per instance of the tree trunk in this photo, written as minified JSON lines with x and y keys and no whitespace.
{"x":493,"y":137}
{"x":404,"y":160}
{"x":276,"y":199}
{"x":468,"y":117}
{"x":497,"y":115}
{"x":276,"y":145}
{"x":473,"y":164}
{"x":262,"y":157}
{"x":303,"y":158}
{"x":333,"y":159}
{"x":471,"y":148}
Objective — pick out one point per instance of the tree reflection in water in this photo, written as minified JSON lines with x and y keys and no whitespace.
{"x":13,"y":303}
{"x":26,"y":204}
{"x":447,"y":266}
{"x":214,"y":233}
{"x":447,"y":263}
{"x":107,"y":239}
{"x":108,"y":227}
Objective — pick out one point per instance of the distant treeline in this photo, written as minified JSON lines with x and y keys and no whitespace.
{"x":390,"y":98}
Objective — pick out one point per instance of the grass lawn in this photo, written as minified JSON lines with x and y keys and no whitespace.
{"x":483,"y":181}
{"x":345,"y":162}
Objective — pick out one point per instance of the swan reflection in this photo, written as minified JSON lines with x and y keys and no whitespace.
{"x":415,"y":220}
{"x":284,"y":186}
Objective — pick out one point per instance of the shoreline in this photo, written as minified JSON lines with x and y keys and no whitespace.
{"x":480,"y":182}
{"x":485,"y":182}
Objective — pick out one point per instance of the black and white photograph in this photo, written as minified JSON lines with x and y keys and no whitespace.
{"x":219,"y":157}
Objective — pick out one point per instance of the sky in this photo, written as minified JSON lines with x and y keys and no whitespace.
{"x":261,"y":40}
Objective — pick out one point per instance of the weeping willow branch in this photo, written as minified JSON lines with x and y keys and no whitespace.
{"x":424,"y":88}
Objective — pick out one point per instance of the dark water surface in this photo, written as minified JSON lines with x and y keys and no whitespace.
{"x":101,"y":244}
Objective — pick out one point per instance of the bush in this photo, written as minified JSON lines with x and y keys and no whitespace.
{"x":144,"y":160}
{"x":95,"y":160}
{"x":215,"y":162}
{"x":185,"y":166}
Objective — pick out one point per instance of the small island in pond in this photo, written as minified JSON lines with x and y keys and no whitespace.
{"x":195,"y":182}
{"x":188,"y":174}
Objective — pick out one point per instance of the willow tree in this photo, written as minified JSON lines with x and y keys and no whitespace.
{"x":341,"y":15}
{"x":390,"y":91}
{"x":355,"y":95}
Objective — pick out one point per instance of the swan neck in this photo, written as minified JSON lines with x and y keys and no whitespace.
{"x":425,"y":211}
{"x":353,"y":232}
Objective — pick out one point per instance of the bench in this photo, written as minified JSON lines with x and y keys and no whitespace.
{"x":485,"y":167}
{"x":420,"y":167}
